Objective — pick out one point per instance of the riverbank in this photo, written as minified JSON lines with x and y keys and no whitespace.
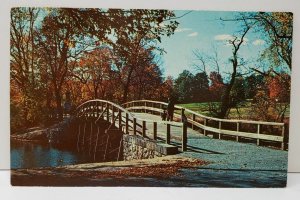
{"x":148,"y":172}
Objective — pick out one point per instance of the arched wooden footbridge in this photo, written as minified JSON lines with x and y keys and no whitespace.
{"x":135,"y":118}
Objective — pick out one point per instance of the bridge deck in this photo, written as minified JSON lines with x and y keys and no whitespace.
{"x":161,"y":128}
{"x":227,"y":155}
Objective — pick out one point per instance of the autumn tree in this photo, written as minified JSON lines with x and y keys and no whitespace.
{"x":166,"y":89}
{"x":94,"y":70}
{"x":216,"y":87}
{"x":147,"y":77}
{"x":26,"y":82}
{"x":143,"y":36}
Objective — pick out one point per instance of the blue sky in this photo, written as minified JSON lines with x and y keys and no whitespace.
{"x":202,"y":30}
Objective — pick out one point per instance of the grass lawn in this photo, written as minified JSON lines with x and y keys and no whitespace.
{"x":244,"y":110}
{"x":201,"y":108}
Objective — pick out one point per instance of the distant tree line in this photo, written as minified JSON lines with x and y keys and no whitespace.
{"x":263,"y":92}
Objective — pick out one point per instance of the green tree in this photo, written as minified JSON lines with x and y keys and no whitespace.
{"x":252,"y":83}
{"x":184,"y":87}
{"x":200,"y":87}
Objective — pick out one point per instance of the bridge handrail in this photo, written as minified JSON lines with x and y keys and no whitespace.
{"x":259,"y":135}
{"x":129,"y":113}
{"x":89,"y":111}
{"x":210,"y":118}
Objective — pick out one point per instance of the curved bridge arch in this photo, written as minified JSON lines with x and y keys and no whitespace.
{"x":127,"y":122}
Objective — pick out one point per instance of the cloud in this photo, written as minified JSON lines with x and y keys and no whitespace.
{"x":226,"y":38}
{"x":194,"y":34}
{"x":179,"y":30}
{"x":246,"y":40}
{"x":258,"y":42}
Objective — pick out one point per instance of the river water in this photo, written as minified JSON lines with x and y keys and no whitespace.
{"x":31,"y":155}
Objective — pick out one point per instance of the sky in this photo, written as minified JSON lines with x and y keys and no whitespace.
{"x":204,"y":30}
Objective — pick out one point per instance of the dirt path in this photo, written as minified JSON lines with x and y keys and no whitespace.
{"x":107,"y":174}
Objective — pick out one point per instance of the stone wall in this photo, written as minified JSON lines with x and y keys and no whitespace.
{"x":136,"y":147}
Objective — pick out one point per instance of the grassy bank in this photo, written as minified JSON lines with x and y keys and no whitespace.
{"x":244,"y":111}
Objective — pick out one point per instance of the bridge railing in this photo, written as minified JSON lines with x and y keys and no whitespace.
{"x":127,"y":122}
{"x":259,"y":130}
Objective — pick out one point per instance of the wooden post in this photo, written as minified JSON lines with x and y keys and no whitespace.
{"x":258,"y":132}
{"x":145,"y":107}
{"x":152,"y":112}
{"x":107,"y":112}
{"x":134,"y":126}
{"x":113,"y":115}
{"x":120,"y":119}
{"x":238,"y":130}
{"x":97,"y":110}
{"x":126,"y":124}
{"x":106,"y":146}
{"x":184,"y":137}
{"x":78,"y":138}
{"x":168,"y":137}
{"x":155,"y":130}
{"x":182,"y":114}
{"x":94,"y":108}
{"x":194,"y":120}
{"x":91,"y":135}
{"x":204,"y":131}
{"x":144,"y":129}
{"x":283,"y":138}
{"x":220,"y":126}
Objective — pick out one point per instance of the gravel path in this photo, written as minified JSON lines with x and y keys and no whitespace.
{"x":232,"y":164}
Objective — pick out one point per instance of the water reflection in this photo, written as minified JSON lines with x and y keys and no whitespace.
{"x":29,"y":155}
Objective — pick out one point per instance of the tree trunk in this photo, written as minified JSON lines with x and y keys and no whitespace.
{"x":58,"y":103}
{"x":126,"y":86}
{"x":225,"y":105}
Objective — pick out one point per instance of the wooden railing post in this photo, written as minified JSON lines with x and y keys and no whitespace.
{"x":204,"y":131}
{"x":126,"y":124}
{"x":238,"y":130}
{"x":283,"y":138}
{"x":134,"y":126}
{"x":168,"y":137}
{"x":113,"y":115}
{"x":120,"y":119}
{"x":155,"y":130}
{"x":258,"y":132}
{"x":194,"y":120}
{"x":152,"y":104}
{"x":107,"y":112}
{"x":97,"y":110}
{"x":220,"y":127}
{"x":144,"y":129}
{"x":184,"y":137}
{"x":182,"y":114}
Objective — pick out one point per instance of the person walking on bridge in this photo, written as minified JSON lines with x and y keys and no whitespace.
{"x":170,"y":109}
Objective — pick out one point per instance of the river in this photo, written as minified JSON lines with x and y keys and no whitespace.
{"x":32,"y":155}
